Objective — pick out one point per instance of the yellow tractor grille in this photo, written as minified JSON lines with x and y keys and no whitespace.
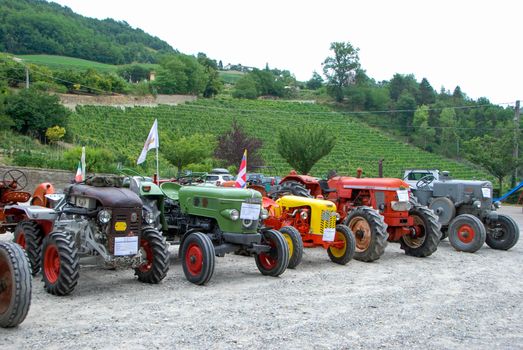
{"x":328,"y":220}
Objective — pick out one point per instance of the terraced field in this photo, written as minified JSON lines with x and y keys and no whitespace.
{"x":125,"y":129}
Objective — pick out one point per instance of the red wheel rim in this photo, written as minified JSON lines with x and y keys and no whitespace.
{"x":21,"y":239}
{"x":6,"y":284}
{"x":267,"y":260}
{"x":51,"y":264}
{"x":194,"y":259}
{"x":466,"y":233}
{"x":148,"y":255}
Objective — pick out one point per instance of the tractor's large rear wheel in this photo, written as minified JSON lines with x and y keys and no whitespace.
{"x":275,"y":261}
{"x":466,"y":233}
{"x":15,"y":285}
{"x":425,"y":233}
{"x":343,"y":254}
{"x":503,"y":234}
{"x":60,"y":263}
{"x":293,"y":238}
{"x":28,"y":235}
{"x":198,"y":257}
{"x":294,"y":188}
{"x":370,"y":232}
{"x":154,"y":247}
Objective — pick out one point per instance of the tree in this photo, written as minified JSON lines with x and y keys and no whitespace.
{"x":315,"y":82}
{"x":184,"y":150}
{"x":494,"y":154}
{"x":245,"y":88}
{"x":233,"y":142}
{"x":449,"y":135}
{"x":423,"y":134}
{"x":341,"y":68}
{"x":55,"y":133}
{"x":400,"y":84}
{"x":406,"y":106}
{"x":427,"y":95}
{"x":304,"y":146}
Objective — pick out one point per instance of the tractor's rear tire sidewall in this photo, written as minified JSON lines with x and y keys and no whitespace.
{"x":156,"y":252}
{"x":427,"y":222}
{"x":293,"y":187}
{"x":15,"y":285}
{"x":60,"y":263}
{"x":29,"y":236}
{"x":509,"y":233}
{"x":198,"y":258}
{"x":295,"y":243}
{"x":370,"y":232}
{"x":274,"y":262}
{"x":466,"y":233}
{"x":344,"y":254}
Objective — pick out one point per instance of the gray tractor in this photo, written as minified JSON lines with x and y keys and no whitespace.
{"x":466,"y":212}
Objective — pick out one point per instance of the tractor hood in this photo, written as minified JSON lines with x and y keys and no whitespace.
{"x":297,"y":201}
{"x":220,"y":193}
{"x":107,"y":196}
{"x":384,"y":184}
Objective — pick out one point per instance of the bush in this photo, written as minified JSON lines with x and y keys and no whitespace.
{"x":98,"y":160}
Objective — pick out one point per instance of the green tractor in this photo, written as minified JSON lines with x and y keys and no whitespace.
{"x":209,"y":221}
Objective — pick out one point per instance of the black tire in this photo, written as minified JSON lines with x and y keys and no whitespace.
{"x":290,"y":187}
{"x":60,"y":264}
{"x":343,"y":255}
{"x":444,"y":232}
{"x":370,"y":233}
{"x":198,"y":257}
{"x":274,"y":262}
{"x":503,"y":234}
{"x":466,"y":233}
{"x":426,"y":233}
{"x":155,"y":249}
{"x":293,"y":237}
{"x":30,"y":237}
{"x":15,"y":285}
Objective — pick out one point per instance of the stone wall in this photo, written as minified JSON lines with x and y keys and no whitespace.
{"x":35,"y":176}
{"x":71,"y":101}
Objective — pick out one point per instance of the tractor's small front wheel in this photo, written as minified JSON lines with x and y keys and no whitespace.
{"x":466,"y":233}
{"x":28,"y":235}
{"x":154,"y":247}
{"x":293,"y":238}
{"x":503,"y":234}
{"x":275,"y":261}
{"x":60,"y":264}
{"x":15,"y":285}
{"x":343,"y":253}
{"x":370,"y":232}
{"x":198,"y":257}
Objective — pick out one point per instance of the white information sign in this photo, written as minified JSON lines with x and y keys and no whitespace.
{"x":329,"y":234}
{"x":250,"y":211}
{"x":486,"y":192}
{"x":125,"y":246}
{"x":403,"y":195}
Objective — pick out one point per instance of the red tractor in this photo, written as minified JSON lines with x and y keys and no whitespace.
{"x":375,"y":210}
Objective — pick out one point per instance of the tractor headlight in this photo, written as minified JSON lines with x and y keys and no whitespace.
{"x":148,"y":217}
{"x":264,"y":214}
{"x":338,"y":217}
{"x":234,"y":214}
{"x":477,"y":204}
{"x":104,"y":216}
{"x":304,"y":215}
{"x":400,"y":206}
{"x":497,"y":204}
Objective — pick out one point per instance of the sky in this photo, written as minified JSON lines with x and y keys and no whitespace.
{"x":474,"y":44}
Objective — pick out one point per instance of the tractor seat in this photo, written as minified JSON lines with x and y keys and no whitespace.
{"x":324,"y":185}
{"x":170,"y":189}
{"x":15,"y":197}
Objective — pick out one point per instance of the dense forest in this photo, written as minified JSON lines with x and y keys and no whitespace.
{"x":38,"y":26}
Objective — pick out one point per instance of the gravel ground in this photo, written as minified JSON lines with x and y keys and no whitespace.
{"x":450,"y":300}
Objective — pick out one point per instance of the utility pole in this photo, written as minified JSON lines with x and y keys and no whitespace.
{"x":26,"y":77}
{"x":515,"y":151}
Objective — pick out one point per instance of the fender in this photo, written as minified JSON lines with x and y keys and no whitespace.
{"x":32,"y":212}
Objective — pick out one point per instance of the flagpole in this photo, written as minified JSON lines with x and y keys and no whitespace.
{"x":157,"y":167}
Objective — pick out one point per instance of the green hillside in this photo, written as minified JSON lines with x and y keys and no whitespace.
{"x":125,"y":129}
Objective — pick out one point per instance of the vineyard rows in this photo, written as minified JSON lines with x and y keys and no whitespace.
{"x":358,"y":145}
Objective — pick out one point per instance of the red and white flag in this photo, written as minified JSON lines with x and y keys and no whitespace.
{"x":241,"y":179}
{"x":78,"y":177}
{"x":151,"y":142}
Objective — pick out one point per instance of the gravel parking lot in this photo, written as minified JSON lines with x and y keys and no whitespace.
{"x":450,"y":300}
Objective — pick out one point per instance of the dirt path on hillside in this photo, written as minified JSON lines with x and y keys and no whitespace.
{"x":450,"y":300}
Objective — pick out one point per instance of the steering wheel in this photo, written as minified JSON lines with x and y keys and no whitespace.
{"x":424,"y":182}
{"x":17,"y":177}
{"x":127,"y":172}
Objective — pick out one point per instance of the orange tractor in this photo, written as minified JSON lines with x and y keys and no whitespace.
{"x":376,"y":210}
{"x":26,"y":220}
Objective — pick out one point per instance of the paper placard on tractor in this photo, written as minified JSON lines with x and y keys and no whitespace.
{"x":329,"y":234}
{"x":250,"y":211}
{"x":403,"y":195}
{"x":125,"y":246}
{"x":486,"y":192}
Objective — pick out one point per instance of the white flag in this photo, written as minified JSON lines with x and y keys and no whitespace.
{"x":151,"y":142}
{"x":82,"y":160}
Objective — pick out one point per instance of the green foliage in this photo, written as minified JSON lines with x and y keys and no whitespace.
{"x":315,"y":82}
{"x":33,"y":26}
{"x":180,"y":74}
{"x":423,"y":133}
{"x":98,"y":160}
{"x":302,"y":147}
{"x":245,"y":88}
{"x":33,"y":112}
{"x":449,"y":133}
{"x":340,"y":68}
{"x":184,"y":150}
{"x":134,"y":73}
{"x":55,"y":133}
